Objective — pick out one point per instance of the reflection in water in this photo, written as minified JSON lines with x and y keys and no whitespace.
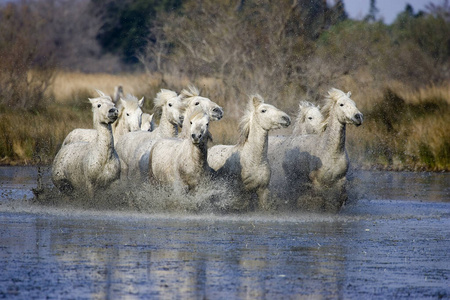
{"x":377,"y":247}
{"x":171,"y":259}
{"x":106,"y":256}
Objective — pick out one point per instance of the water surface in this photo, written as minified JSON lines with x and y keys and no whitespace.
{"x":390,"y":242}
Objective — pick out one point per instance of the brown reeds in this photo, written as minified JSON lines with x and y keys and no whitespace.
{"x":404,"y":129}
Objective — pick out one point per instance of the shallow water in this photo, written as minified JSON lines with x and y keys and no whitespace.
{"x":391,"y":242}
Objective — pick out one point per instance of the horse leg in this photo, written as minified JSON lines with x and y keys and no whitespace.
{"x":263,"y":199}
{"x":90,"y":190}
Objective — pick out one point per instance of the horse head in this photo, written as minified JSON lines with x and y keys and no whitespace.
{"x":170,"y":106}
{"x":130,"y":112}
{"x":309,"y":119}
{"x":198,"y":128}
{"x":343,"y":107}
{"x":267,"y":116}
{"x":192,"y":98}
{"x":103,"y":109}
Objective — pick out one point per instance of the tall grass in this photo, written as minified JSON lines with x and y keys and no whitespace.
{"x":404,"y":128}
{"x":34,"y":138}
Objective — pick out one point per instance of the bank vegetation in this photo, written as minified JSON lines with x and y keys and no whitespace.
{"x":399,"y":74}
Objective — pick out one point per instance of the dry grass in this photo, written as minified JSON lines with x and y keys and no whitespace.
{"x":66,"y":84}
{"x":38,"y":139}
{"x":403,"y":129}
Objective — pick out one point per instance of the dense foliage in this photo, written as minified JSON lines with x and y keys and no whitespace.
{"x":125,"y":25}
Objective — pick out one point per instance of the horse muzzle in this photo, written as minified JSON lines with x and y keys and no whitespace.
{"x":197,"y":138}
{"x":113,"y":114}
{"x":217,"y":113}
{"x":286,"y":121}
{"x":358,"y":119}
{"x":181,"y":121}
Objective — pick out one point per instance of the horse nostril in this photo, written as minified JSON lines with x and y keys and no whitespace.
{"x":193,"y":136}
{"x":287,"y":119}
{"x":112,"y":110}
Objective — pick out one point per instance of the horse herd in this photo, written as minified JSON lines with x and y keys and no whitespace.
{"x":305,"y":170}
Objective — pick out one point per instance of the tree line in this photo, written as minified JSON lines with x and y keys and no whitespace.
{"x":299,"y":45}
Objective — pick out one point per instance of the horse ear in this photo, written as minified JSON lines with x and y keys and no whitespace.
{"x":257,"y":100}
{"x":122,"y":102}
{"x":100,"y":93}
{"x":118,"y":92}
{"x":349,"y":94}
{"x":93,"y":100}
{"x":303,"y":104}
{"x":141,"y":102}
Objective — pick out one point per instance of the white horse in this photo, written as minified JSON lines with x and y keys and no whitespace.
{"x":247,"y":163}
{"x":118,"y":93}
{"x":148,"y":123}
{"x":309,"y":119}
{"x":135,"y":148}
{"x":309,"y":170}
{"x":133,"y":145}
{"x":130,"y":116}
{"x":181,"y":162}
{"x":84,"y":167}
{"x":191,"y":98}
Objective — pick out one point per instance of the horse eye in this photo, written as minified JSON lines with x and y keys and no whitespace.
{"x":263,"y":111}
{"x":99,"y":105}
{"x":128,"y":114}
{"x":170,"y":104}
{"x":310,"y":118}
{"x":190,"y":122}
{"x":341,"y":104}
{"x":197,"y":103}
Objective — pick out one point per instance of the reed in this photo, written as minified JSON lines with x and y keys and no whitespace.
{"x":404,"y":129}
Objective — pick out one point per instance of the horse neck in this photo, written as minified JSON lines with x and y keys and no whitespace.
{"x":118,"y":128}
{"x":334,"y":136}
{"x":256,"y":145}
{"x":299,"y":129}
{"x":104,"y":143}
{"x":199,"y":153}
{"x":167,"y":129}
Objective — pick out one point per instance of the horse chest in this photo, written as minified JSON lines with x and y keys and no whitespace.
{"x":334,"y":168}
{"x":103,"y":172}
{"x":190,"y":174}
{"x":255,"y":176}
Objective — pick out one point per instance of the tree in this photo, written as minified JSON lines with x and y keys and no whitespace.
{"x":126,"y":24}
{"x":373,"y":11}
{"x":27,"y":57}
